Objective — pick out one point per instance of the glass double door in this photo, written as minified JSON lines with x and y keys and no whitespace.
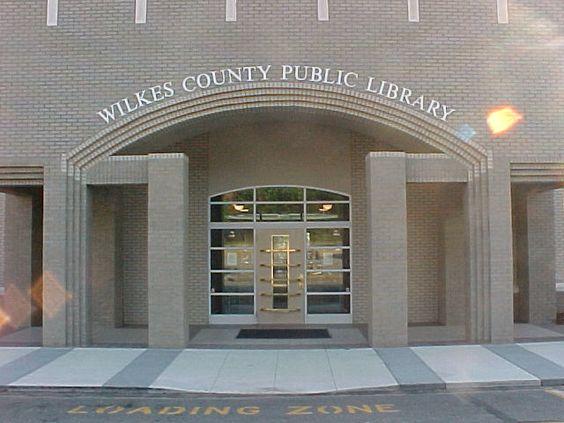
{"x":280,"y":272}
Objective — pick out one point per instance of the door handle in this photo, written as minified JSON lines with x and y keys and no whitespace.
{"x":291,"y":250}
{"x":280,"y":310}
{"x":266,"y":294}
{"x":282,"y":265}
{"x":299,"y":280}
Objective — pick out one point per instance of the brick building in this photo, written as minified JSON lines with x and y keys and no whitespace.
{"x":391,"y":165}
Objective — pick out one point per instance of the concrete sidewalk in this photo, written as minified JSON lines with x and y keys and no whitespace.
{"x":286,"y":371}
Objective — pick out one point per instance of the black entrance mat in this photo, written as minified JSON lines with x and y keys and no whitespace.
{"x":283,"y":333}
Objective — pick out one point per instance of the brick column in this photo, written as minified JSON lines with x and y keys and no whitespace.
{"x":542,"y":257}
{"x":387,"y":248}
{"x":55,"y":290}
{"x":167,"y":241}
{"x":499,"y":302}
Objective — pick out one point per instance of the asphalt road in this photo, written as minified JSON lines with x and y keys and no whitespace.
{"x":508,"y":405}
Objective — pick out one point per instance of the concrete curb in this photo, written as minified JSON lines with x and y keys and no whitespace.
{"x":376,"y":390}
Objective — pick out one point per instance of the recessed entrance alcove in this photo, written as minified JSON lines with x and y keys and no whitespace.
{"x":275,"y":195}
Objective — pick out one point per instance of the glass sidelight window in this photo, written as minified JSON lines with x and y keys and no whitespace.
{"x":232,"y":281}
{"x":232,"y":304}
{"x":329,"y":304}
{"x":328,"y":277}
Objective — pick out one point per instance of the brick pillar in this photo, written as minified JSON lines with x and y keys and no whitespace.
{"x":542,"y":263}
{"x":16,"y":251}
{"x":55,"y":294}
{"x":387,"y":248}
{"x":167,"y":242}
{"x":559,"y":239}
{"x":498,"y":297}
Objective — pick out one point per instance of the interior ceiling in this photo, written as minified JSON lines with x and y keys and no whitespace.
{"x":387,"y":137}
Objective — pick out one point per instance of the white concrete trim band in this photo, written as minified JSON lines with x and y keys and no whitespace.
{"x":322,"y":10}
{"x":502,"y":11}
{"x":413,"y":10}
{"x":52,"y":12}
{"x":230,"y":10}
{"x":140,"y":11}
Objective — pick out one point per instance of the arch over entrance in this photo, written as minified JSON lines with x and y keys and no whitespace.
{"x":353,"y":105}
{"x":260,"y":95}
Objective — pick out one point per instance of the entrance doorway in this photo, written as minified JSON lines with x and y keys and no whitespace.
{"x":280,"y":274}
{"x":280,"y":255}
{"x":21,"y":266}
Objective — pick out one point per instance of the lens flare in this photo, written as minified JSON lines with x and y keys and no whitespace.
{"x":4,"y":319}
{"x":58,"y":295}
{"x":502,"y":120}
{"x":37,"y":293}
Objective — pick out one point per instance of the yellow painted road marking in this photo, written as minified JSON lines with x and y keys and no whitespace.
{"x":555,"y":392}
{"x":110,"y":409}
{"x":167,"y":410}
{"x":178,"y":410}
{"x":298,"y":410}
{"x":302,"y":410}
{"x":172,"y":411}
{"x":80,"y":409}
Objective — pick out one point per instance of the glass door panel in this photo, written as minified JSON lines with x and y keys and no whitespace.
{"x":280,"y":266}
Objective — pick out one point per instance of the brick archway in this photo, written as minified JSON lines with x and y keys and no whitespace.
{"x":264,"y":95}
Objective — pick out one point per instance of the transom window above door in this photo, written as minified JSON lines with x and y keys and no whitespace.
{"x":279,"y":204}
